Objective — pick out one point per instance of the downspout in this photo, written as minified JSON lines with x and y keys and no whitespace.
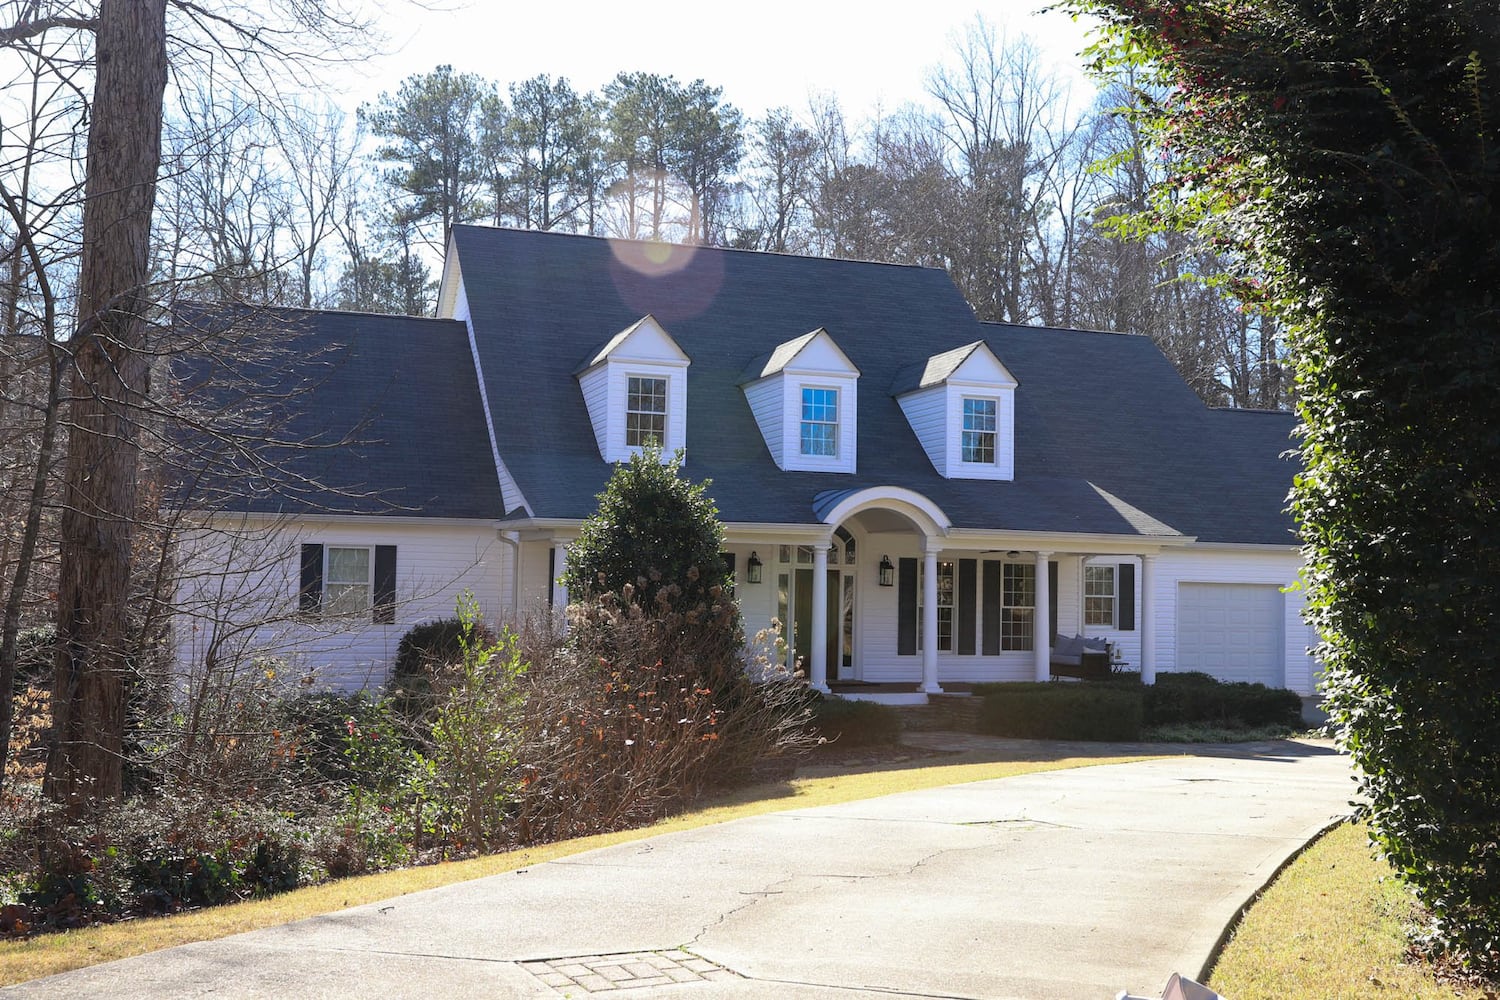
{"x":513,"y":539}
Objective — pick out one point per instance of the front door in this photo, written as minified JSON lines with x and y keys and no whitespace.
{"x":802,"y":621}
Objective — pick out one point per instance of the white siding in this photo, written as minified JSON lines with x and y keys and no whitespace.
{"x":793,"y":382}
{"x":648,"y":351}
{"x":595,"y":386}
{"x":1206,"y":564}
{"x":764,"y":398}
{"x":1003,"y":467}
{"x":239,"y":594}
{"x":1126,"y":640}
{"x":876,"y":620}
{"x":926,"y":413}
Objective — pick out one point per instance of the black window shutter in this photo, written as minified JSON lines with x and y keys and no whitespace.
{"x":1051,"y":600}
{"x":967,"y":577}
{"x":990,"y":613}
{"x":310,"y":591}
{"x":552,"y":576}
{"x":906,"y":607}
{"x":1126,"y":585}
{"x":385,"y":585}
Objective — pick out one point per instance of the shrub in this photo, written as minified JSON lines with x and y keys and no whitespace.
{"x":654,"y":533}
{"x":425,"y":659}
{"x":644,"y":713}
{"x":1191,"y":697}
{"x":1061,"y":711}
{"x":157,"y":855}
{"x":855,"y":723}
{"x":471,"y":753}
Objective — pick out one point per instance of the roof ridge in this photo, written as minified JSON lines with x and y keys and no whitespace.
{"x":699,"y":246}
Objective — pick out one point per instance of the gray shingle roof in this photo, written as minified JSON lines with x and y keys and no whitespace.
{"x":1109,"y":440}
{"x":401,"y":390}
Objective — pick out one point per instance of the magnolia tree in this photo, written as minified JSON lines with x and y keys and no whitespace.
{"x":1343,"y":155}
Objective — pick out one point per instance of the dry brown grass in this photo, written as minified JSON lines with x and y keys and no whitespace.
{"x":1331,"y":927}
{"x":54,"y":953}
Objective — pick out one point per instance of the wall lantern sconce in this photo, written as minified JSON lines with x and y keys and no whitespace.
{"x":752,"y":569}
{"x":887,"y":572}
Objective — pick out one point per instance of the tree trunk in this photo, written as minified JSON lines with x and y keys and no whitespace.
{"x":84,"y":766}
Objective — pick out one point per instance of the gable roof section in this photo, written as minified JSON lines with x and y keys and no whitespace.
{"x":646,"y":326}
{"x":941,"y":367}
{"x":400,"y":391}
{"x":1100,"y":417}
{"x":785,"y":355}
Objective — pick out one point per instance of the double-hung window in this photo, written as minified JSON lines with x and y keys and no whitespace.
{"x":1099,"y":596}
{"x":820,"y":422}
{"x":1017,"y":606}
{"x":645,"y":411}
{"x":347,"y":583}
{"x":978,"y":441}
{"x":945,"y":591}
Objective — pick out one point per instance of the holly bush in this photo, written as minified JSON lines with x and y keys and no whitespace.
{"x":1343,"y":154}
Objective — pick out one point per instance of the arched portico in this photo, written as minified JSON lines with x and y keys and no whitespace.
{"x":878,"y":508}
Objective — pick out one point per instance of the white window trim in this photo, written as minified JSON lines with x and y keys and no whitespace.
{"x":951,"y":606}
{"x":1113,"y":595}
{"x":837,"y":423}
{"x":994,"y":434}
{"x":665,"y":412}
{"x":1000,"y":600}
{"x":329,"y":582}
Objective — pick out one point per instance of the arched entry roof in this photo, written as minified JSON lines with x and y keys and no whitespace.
{"x":833,"y":507}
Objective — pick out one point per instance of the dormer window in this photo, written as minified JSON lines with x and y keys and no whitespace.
{"x":635,"y":388}
{"x":820,"y":422}
{"x":645,"y":411}
{"x":804,"y":398}
{"x":978,"y":443}
{"x":961,"y":405}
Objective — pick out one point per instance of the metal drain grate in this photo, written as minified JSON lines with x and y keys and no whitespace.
{"x":601,"y":973}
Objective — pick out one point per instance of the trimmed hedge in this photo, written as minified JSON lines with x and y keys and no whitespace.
{"x":855,"y":723}
{"x":1197,"y":697}
{"x":1061,"y":711}
{"x":1082,"y":710}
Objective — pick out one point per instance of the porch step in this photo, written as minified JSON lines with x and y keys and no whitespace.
{"x":949,"y":712}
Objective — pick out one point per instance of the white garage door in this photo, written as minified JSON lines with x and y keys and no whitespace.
{"x":1231,"y":630}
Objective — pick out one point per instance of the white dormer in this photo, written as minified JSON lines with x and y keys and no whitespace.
{"x":804,"y":398}
{"x":635,"y":387}
{"x":962,"y":406}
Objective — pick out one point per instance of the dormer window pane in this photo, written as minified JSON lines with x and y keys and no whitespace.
{"x":645,"y":411}
{"x":820,"y":422}
{"x":979,"y":431}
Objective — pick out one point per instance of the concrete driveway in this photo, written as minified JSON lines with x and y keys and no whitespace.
{"x":1062,"y":884}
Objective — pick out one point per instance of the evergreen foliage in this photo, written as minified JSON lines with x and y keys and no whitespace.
{"x":656,"y":539}
{"x":1345,"y":153}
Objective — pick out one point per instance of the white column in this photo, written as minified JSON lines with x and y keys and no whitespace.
{"x":818,"y":669}
{"x":1148,"y":620}
{"x":930,"y":548}
{"x":1041,"y":627}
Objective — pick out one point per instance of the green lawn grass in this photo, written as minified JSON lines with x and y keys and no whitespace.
{"x":1331,"y":927}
